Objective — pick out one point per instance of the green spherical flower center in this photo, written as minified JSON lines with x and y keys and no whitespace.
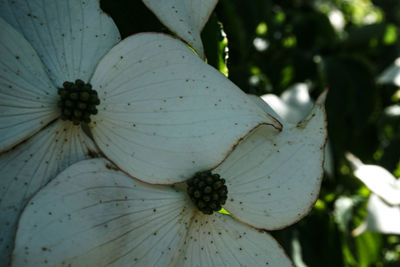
{"x":207,"y":191}
{"x":77,"y":101}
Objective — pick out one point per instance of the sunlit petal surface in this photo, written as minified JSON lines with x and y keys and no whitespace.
{"x":377,"y":179}
{"x":164,"y":113}
{"x":219,"y":240}
{"x":273,"y":181}
{"x":27,"y":96}
{"x":93,"y":215}
{"x":382,"y":217}
{"x":69,"y":36}
{"x":30,"y":165}
{"x":184,"y":17}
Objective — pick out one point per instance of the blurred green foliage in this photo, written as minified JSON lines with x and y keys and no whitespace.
{"x":337,"y":44}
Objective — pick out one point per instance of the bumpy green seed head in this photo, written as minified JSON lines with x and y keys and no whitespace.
{"x":207,"y":191}
{"x":77,"y":101}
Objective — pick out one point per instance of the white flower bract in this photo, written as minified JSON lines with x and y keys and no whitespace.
{"x":164,"y":113}
{"x":186,"y":18}
{"x":91,"y":213}
{"x":384,"y":202}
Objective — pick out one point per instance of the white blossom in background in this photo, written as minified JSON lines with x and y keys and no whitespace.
{"x":290,"y":108}
{"x":337,"y":20}
{"x":391,"y":75}
{"x":186,"y":18}
{"x":94,"y":214}
{"x":163,"y":113}
{"x":384,"y":202}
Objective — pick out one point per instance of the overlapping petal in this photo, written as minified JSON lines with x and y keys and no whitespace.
{"x":69,"y":36}
{"x":292,"y":107}
{"x":273,"y":181}
{"x":382,"y":217}
{"x":377,"y":179}
{"x":264,"y":105}
{"x":184,"y":17}
{"x":219,"y":240}
{"x":164,"y":113}
{"x":27,"y":96}
{"x":30,"y":165}
{"x":94,"y":215}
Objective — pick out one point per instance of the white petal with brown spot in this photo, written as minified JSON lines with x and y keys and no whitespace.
{"x":70,"y":36}
{"x":92,"y":214}
{"x":274,"y":180}
{"x":30,"y":166}
{"x":219,"y":240}
{"x":164,"y":113}
{"x":28,"y":99}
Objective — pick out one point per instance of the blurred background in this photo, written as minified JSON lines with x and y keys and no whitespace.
{"x":347,"y":46}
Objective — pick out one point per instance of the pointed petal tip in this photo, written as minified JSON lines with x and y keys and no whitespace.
{"x":319,"y":108}
{"x":354,"y":161}
{"x":322,"y":97}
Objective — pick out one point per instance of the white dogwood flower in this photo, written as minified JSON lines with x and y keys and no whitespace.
{"x":384,"y":202}
{"x":186,"y":18}
{"x":93,"y":214}
{"x":151,"y":104}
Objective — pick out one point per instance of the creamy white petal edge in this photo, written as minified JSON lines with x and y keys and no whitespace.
{"x":93,"y":215}
{"x":69,"y":36}
{"x":293,"y":105}
{"x":273,"y":181}
{"x":270,"y":109}
{"x":184,"y":17}
{"x":164,"y":113}
{"x":29,"y":166}
{"x":27,"y":97}
{"x":219,"y":240}
{"x":377,"y":179}
{"x":382,"y":217}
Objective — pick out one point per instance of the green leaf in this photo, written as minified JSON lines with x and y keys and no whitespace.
{"x":368,"y":247}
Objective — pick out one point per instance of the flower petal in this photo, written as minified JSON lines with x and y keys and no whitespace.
{"x":382,"y":217}
{"x":271,"y":105}
{"x":29,"y":166}
{"x":219,"y":240}
{"x":184,"y":17}
{"x":298,"y":98}
{"x":377,"y":179}
{"x":274,"y":181}
{"x":27,"y":96}
{"x":69,"y":36}
{"x":164,"y":113}
{"x":93,"y":215}
{"x":391,"y":75}
{"x":293,"y":105}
